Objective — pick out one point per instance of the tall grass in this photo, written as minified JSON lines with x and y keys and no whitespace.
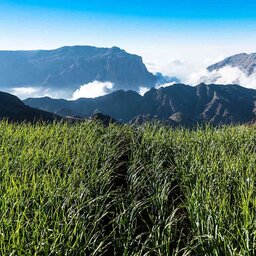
{"x":85,"y":189}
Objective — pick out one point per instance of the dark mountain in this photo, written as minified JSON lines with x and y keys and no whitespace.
{"x":120,"y":105}
{"x":14,"y":109}
{"x":104,"y":119}
{"x":177,"y":104}
{"x":70,"y":67}
{"x":243,"y":61}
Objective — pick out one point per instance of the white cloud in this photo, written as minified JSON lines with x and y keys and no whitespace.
{"x":173,"y":68}
{"x":143,"y":90}
{"x":210,"y":60}
{"x":25,"y":90}
{"x":93,"y":89}
{"x":225,"y":75}
{"x":165,"y":85}
{"x":33,"y":92}
{"x":191,"y":74}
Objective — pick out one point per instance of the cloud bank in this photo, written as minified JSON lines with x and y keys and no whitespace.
{"x":165,"y":85}
{"x":172,"y":68}
{"x":31,"y":92}
{"x":225,"y":75}
{"x":193,"y":75}
{"x":143,"y":90}
{"x":186,"y":73}
{"x":93,"y":90}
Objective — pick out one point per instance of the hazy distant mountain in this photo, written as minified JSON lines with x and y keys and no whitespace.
{"x":68,"y":68}
{"x":177,"y":104}
{"x":14,"y":109}
{"x":243,"y":61}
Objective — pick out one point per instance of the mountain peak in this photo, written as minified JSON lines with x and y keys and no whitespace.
{"x":243,"y":61}
{"x":116,"y":49}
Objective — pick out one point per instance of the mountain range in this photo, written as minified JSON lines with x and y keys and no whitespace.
{"x":67,"y":68}
{"x":178,"y":104}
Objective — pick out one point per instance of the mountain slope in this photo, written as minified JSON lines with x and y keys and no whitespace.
{"x":14,"y":109}
{"x":181,"y":104}
{"x":70,"y":67}
{"x":245,"y":62}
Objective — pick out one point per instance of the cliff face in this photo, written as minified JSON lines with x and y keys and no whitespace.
{"x":70,"y":67}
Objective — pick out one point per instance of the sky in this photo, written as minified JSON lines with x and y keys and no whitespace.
{"x":172,"y":36}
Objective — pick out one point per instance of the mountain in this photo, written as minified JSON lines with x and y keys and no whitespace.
{"x":177,"y":104}
{"x":14,"y":109}
{"x":245,"y":62}
{"x":119,"y":105}
{"x":69,"y":67}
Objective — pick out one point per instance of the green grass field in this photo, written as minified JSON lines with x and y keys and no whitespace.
{"x":83,"y":189}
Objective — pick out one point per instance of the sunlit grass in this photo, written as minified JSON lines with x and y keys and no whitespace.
{"x":83,"y":189}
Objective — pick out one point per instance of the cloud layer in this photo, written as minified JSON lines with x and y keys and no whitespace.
{"x":225,"y":75}
{"x":193,"y":75}
{"x":176,"y":68}
{"x":143,"y":90}
{"x":172,"y":68}
{"x":30,"y":92}
{"x":37,"y":92}
{"x":93,"y":90}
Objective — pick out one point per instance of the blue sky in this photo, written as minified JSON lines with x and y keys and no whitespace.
{"x":194,"y":32}
{"x":186,"y":9}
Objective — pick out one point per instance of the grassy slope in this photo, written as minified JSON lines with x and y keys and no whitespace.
{"x":87,"y":190}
